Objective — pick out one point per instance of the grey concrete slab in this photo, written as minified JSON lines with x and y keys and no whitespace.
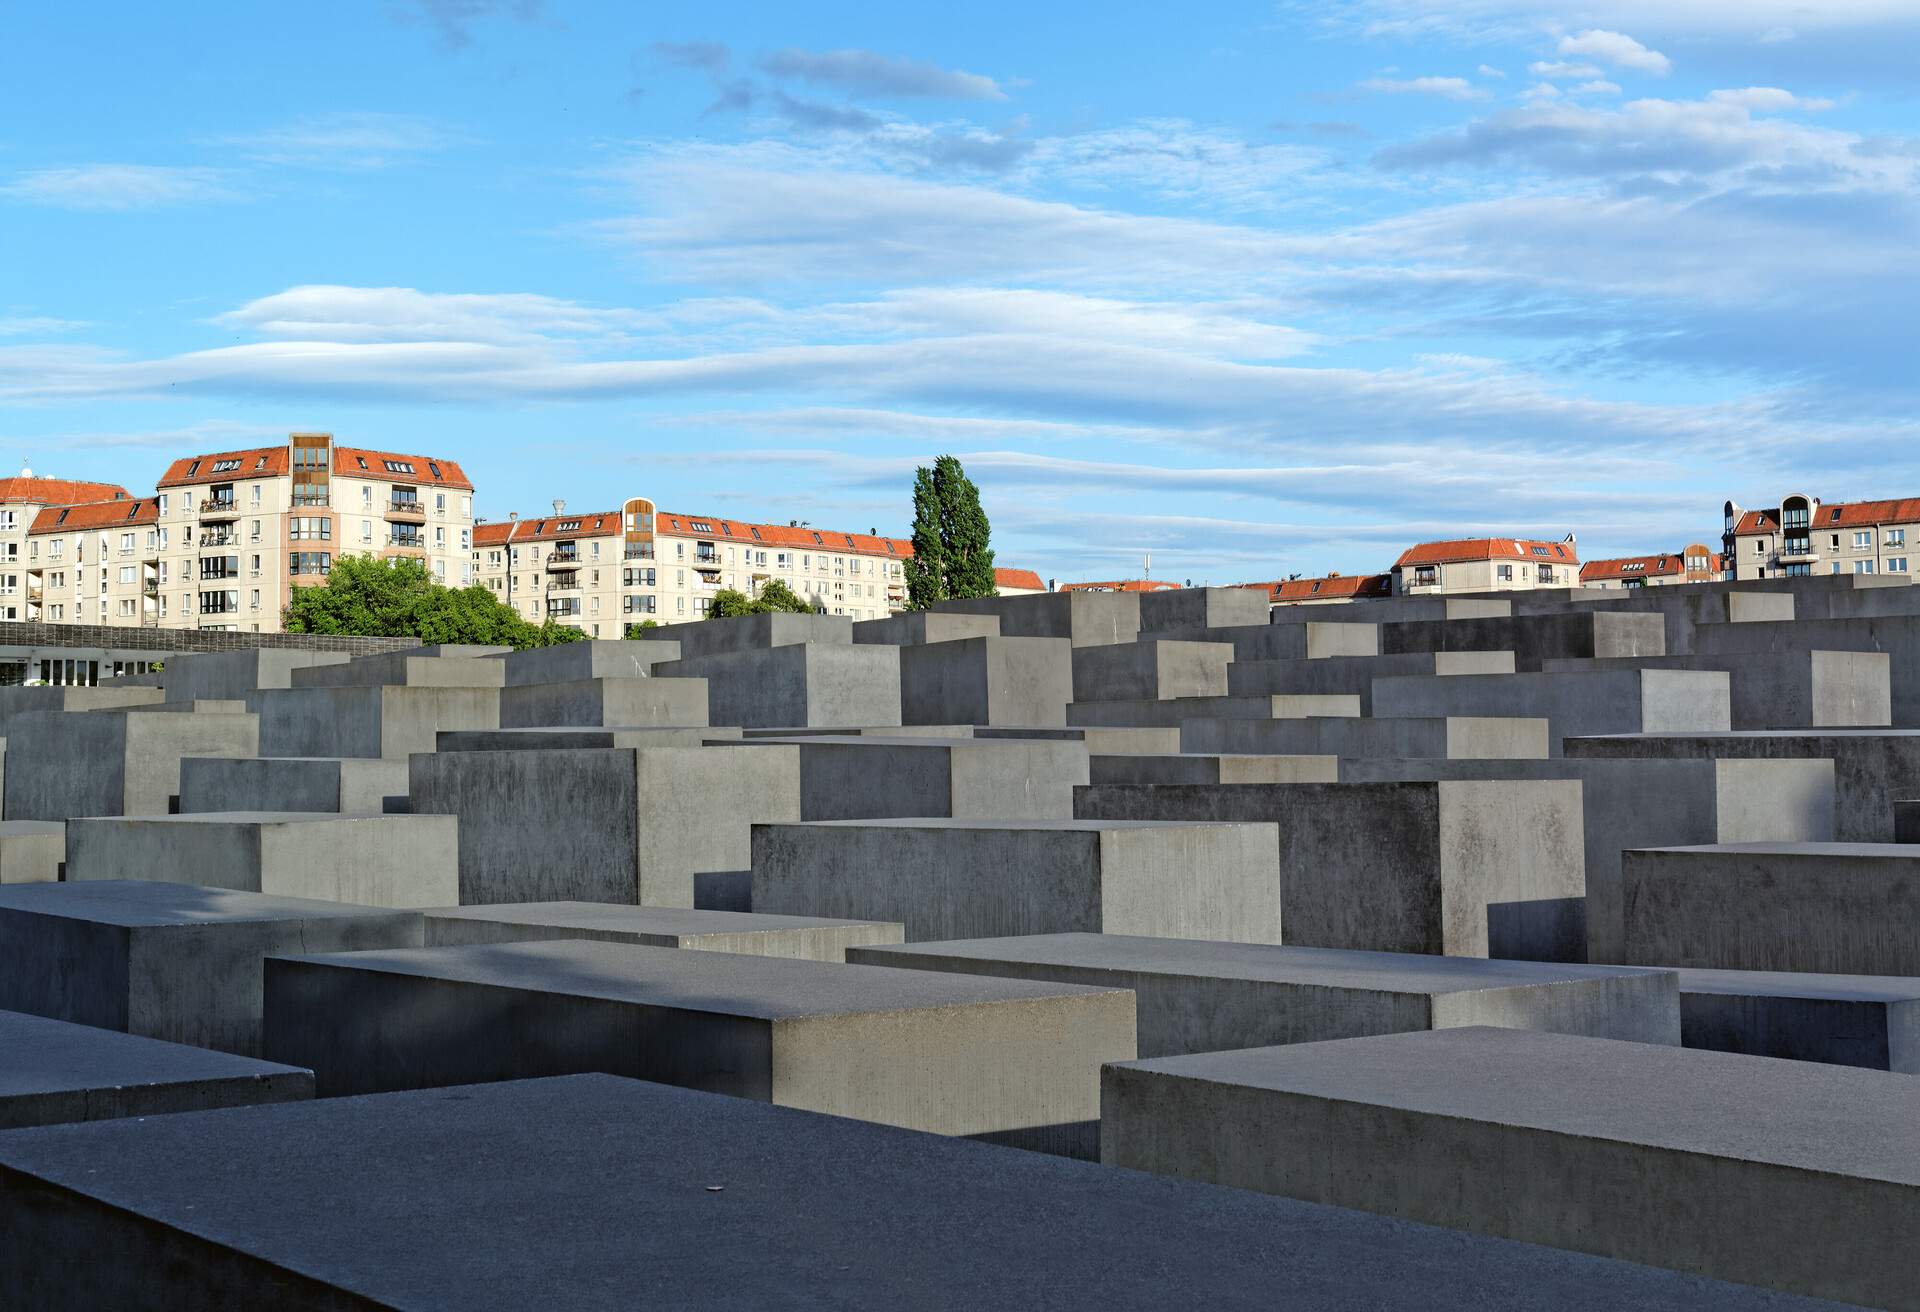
{"x":55,"y":1072}
{"x":947,"y":879}
{"x":571,"y":662}
{"x":1193,"y":996}
{"x":1871,"y":767}
{"x":1220,"y":768}
{"x":755,"y":633}
{"x":112,"y":762}
{"x":1784,"y":690}
{"x":640,"y":735}
{"x":372,"y":860}
{"x":869,"y":731}
{"x":949,"y":1054}
{"x":634,"y":825}
{"x":1322,"y":637}
{"x":392,"y":722}
{"x":1534,"y":639}
{"x":342,"y":1202}
{"x":916,"y":627}
{"x":814,"y":684}
{"x":1897,"y":635}
{"x":168,"y":961}
{"x":1844,"y":1020}
{"x":404,"y":669}
{"x":1021,"y":681}
{"x":350,"y":785}
{"x":1906,"y":821}
{"x":600,"y":702}
{"x":24,"y":700}
{"x":1087,"y":619}
{"x":804,"y":938}
{"x":1355,"y":674}
{"x":1382,"y":610}
{"x":1203,"y":608}
{"x":1176,"y":711}
{"x":1583,"y":702}
{"x":1782,"y":1174}
{"x":1840,"y":908}
{"x":1101,"y":740}
{"x":1465,"y":869}
{"x":32,"y":851}
{"x":1458,"y":737}
{"x":1647,"y":803}
{"x":1151,"y":671}
{"x":202,"y":676}
{"x":868,"y":777}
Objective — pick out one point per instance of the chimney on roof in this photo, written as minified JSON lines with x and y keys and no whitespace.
{"x":559,"y":507}
{"x":793,"y":523}
{"x":513,"y":516}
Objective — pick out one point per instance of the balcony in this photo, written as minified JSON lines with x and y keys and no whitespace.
{"x":564,"y":585}
{"x":406,"y":542}
{"x":406,"y":509}
{"x":220,"y":538}
{"x":563,"y":560}
{"x":219,"y":508}
{"x":1794,"y":550}
{"x":709,"y":560}
{"x":639,"y":553}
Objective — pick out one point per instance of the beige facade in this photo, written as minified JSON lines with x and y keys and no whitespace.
{"x":604,"y":570}
{"x":1434,"y":569}
{"x":22,"y":499}
{"x":1803,"y":536}
{"x":95,"y":563}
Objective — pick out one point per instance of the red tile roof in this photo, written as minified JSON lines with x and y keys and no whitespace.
{"x":601,"y":523}
{"x":1018,"y":578}
{"x":272,"y":462}
{"x":1852,"y":514}
{"x":255,"y":462}
{"x":22,"y":489}
{"x":1640,"y":567}
{"x":1758,"y":521}
{"x":1121,"y":585}
{"x":348,"y":460}
{"x":117,"y":513}
{"x":1330,"y":588}
{"x":1463,"y":549}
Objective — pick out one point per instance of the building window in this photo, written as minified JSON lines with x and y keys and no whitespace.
{"x":1862,"y":540}
{"x":309,"y":562}
{"x":1863,"y":567}
{"x":1896,"y":564}
{"x":1505,"y":573}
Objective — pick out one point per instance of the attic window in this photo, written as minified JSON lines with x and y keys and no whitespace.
{"x":193,"y":469}
{"x":360,"y":461}
{"x":566,"y":524}
{"x":700,"y":526}
{"x":819,"y":541}
{"x":849,"y":538}
{"x":260,"y":463}
{"x":1315,"y":588}
{"x":1539,"y":551}
{"x":433,"y":467}
{"x":133,"y":510}
{"x":890,"y":550}
{"x":398,"y":466}
{"x":222,"y":466}
{"x":1833,"y":516}
{"x":756,"y":534}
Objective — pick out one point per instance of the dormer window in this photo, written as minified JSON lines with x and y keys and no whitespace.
{"x":398,"y":466}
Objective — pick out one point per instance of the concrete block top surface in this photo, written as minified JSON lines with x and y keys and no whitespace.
{"x":622,"y":918}
{"x":737,"y":1204}
{"x":1041,"y":826}
{"x":1809,"y":851}
{"x":1810,"y":735}
{"x":760,"y":988}
{"x":138,"y":903}
{"x":1804,"y":1115}
{"x":260,"y":818}
{"x":56,"y":1056}
{"x":1796,"y":984}
{"x":1398,"y":972}
{"x":32,"y":828}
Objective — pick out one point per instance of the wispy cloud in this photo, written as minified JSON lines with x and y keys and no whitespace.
{"x":868,"y":73}
{"x":453,"y":21}
{"x":1617,"y":49}
{"x":1447,"y":88}
{"x":344,"y":140}
{"x":121,"y":186}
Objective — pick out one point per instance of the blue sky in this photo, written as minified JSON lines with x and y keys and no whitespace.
{"x":1257,"y":288}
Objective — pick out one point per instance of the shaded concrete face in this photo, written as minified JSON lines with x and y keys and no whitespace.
{"x":387,"y":722}
{"x":1534,"y":639}
{"x":1204,"y":608}
{"x":401,"y":669}
{"x":948,"y":1054}
{"x":1016,"y":681}
{"x":31,"y":851}
{"x":1784,"y":690}
{"x":1150,"y":671}
{"x":1218,"y":769}
{"x":755,"y":633}
{"x":1584,"y":703}
{"x":1087,"y":619}
{"x":343,"y":784}
{"x":917,"y":627}
{"x":1842,"y":1020}
{"x":802,"y":684}
{"x":1319,"y":638}
{"x":1355,"y":674}
{"x":801,"y":938}
{"x":18,"y":701}
{"x":1455,"y":737}
{"x":870,"y":777}
{"x":622,"y":702}
{"x":960,"y":879}
{"x":238,"y":674}
{"x":1790,"y":1175}
{"x":1462,"y":869}
{"x":1896,"y":635}
{"x":514,"y":740}
{"x":1207,"y":997}
{"x":571,"y":662}
{"x":604,"y":825}
{"x":1178,"y":711}
{"x":113,"y":762}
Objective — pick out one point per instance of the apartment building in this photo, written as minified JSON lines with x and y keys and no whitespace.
{"x":1330,"y":589}
{"x":1803,"y":536}
{"x":1015,"y":582}
{"x":238,"y":531}
{"x":1486,"y":565}
{"x":1693,"y":563}
{"x":22,"y":498}
{"x":94,"y":563}
{"x":603,"y":570}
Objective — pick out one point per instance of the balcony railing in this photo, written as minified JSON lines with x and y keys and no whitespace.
{"x":413,"y":543}
{"x":564,"y":585}
{"x":706,"y":562}
{"x":563,"y":560}
{"x":1797,"y":549}
{"x":219,"y":507}
{"x":639,"y":553}
{"x":406,"y":508}
{"x":219,"y":539}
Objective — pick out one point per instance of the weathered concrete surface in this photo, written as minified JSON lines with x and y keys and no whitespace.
{"x":168,"y":961}
{"x":643,"y":735}
{"x":1533,"y":639}
{"x":868,"y":777}
{"x":372,"y":860}
{"x":802,"y":938}
{"x":949,"y":1054}
{"x":755,"y":633}
{"x":57,"y":1072}
{"x":633,"y":825}
{"x":1355,"y":674}
{"x":1454,"y":738}
{"x":1584,"y":702}
{"x":1215,"y":769}
{"x":1193,"y":996}
{"x":1322,"y":638}
{"x":223,"y":1209}
{"x":1087,"y":619}
{"x":1871,"y":767}
{"x":1897,"y":635}
{"x":1464,"y":869}
{"x":404,"y":669}
{"x":1101,"y":740}
{"x":388,"y":722}
{"x":1652,"y":804}
{"x":1788,"y":1175}
{"x":1151,"y":671}
{"x":31,"y":851}
{"x":350,"y":785}
{"x":981,"y":879}
{"x":1837,"y":908}
{"x":204,"y":676}
{"x":22,"y":700}
{"x":571,"y":662}
{"x":1204,"y":608}
{"x":810,"y":684}
{"x":622,"y":702}
{"x":1784,"y":690}
{"x":1844,"y":1020}
{"x":112,"y":762}
{"x":1179,"y":710}
{"x":1906,"y":821}
{"x":916,"y":627}
{"x":1381,"y":610}
{"x":1020,"y":681}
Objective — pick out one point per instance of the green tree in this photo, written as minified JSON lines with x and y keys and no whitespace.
{"x":728,"y":603}
{"x":775,"y":596}
{"x":640,"y":630}
{"x":371,"y":597}
{"x":952,"y":547}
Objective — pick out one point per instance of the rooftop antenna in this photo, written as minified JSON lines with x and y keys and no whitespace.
{"x":1146,"y":566}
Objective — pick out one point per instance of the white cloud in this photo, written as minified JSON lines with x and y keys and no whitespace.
{"x":34,"y":325}
{"x":868,"y":73}
{"x":1598,"y":87}
{"x":1488,"y":70}
{"x":344,"y":140}
{"x":1447,"y":88}
{"x":1767,"y":98}
{"x":1543,"y":69}
{"x":1618,"y":49}
{"x":206,"y":435}
{"x":120,"y":186}
{"x":1523,"y":18}
{"x":403,"y":314}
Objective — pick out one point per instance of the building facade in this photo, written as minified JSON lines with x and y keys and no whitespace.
{"x":22,"y":498}
{"x":1802,"y":536}
{"x":604,"y":570}
{"x":239,"y":531}
{"x":1486,"y":565}
{"x":94,"y":563}
{"x":1694,"y":563}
